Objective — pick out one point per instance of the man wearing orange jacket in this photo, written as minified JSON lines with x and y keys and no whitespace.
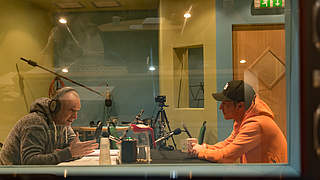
{"x":255,"y":138}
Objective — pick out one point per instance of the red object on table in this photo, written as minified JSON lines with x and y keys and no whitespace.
{"x":143,"y":128}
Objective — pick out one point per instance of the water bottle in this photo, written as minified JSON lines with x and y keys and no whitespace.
{"x":104,"y":158}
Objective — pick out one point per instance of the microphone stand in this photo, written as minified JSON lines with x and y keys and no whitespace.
{"x":21,"y":84}
{"x":34,"y":64}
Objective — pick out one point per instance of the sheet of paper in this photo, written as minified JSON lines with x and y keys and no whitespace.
{"x":93,"y":159}
{"x":88,"y":161}
{"x":113,"y":152}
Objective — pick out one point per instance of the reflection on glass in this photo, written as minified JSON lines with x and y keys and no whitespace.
{"x":133,"y":52}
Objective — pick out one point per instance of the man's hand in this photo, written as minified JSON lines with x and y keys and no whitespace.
{"x":196,"y":149}
{"x":79,"y":148}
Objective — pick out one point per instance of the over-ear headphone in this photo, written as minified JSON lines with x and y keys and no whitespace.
{"x":55,"y":104}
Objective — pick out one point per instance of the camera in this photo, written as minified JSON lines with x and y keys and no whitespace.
{"x":160,"y":99}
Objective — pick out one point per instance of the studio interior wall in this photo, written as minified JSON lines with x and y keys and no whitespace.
{"x":24,"y":32}
{"x":200,"y":29}
{"x":99,"y":51}
{"x":226,"y":16}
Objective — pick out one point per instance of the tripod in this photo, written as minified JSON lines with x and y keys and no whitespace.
{"x":162,"y":124}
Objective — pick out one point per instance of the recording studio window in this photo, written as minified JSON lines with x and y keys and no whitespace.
{"x":144,"y":58}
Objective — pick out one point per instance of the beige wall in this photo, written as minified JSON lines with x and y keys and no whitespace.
{"x":198,"y":30}
{"x":24,"y":32}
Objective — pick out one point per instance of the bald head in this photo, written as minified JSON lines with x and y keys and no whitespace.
{"x":69,"y":106}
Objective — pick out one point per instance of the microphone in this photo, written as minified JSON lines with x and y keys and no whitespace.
{"x":32,"y":63}
{"x":138,"y":116}
{"x":108,"y":101}
{"x":174,"y":132}
{"x":186,"y":130}
{"x":98,"y":131}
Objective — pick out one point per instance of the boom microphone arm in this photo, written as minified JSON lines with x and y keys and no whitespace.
{"x":34,"y":64}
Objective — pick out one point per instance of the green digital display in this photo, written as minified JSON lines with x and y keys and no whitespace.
{"x":269,"y":3}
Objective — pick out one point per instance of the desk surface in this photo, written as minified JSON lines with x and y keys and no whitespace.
{"x":173,"y":157}
{"x":158,"y":157}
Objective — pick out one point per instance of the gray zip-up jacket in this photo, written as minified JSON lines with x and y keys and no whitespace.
{"x":35,"y":139}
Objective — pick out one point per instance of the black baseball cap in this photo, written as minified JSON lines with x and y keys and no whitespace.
{"x":235,"y":90}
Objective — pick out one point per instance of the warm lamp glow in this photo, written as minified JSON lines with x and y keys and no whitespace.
{"x":187,"y":15}
{"x":63,"y":20}
{"x":65,"y":70}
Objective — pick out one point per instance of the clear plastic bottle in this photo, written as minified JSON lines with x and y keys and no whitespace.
{"x":104,"y":158}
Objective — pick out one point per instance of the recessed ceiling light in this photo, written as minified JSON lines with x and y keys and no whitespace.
{"x":187,"y":15}
{"x":151,"y":20}
{"x":65,"y":70}
{"x":69,"y":5}
{"x":105,"y":3}
{"x":152,"y":68}
{"x":63,"y":20}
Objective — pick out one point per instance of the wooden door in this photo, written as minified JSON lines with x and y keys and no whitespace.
{"x":263,"y":49}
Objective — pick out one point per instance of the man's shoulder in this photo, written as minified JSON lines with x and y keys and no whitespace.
{"x":264,"y":123}
{"x":32,"y":120}
{"x":260,"y":120}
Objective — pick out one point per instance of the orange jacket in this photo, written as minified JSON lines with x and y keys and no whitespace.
{"x":257,"y":139}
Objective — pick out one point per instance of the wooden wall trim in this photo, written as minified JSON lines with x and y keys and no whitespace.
{"x":255,"y":27}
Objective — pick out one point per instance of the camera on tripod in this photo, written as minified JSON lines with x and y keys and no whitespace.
{"x":160,"y":99}
{"x":160,"y":123}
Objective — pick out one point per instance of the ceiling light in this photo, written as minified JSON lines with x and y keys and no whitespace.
{"x":65,"y":70}
{"x":136,"y":27}
{"x":151,"y":20}
{"x":69,"y":5}
{"x":242,"y":61}
{"x":187,"y":15}
{"x":63,"y":20}
{"x":106,"y":3}
{"x":152,"y":68}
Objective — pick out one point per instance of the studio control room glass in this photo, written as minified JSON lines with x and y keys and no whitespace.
{"x":149,"y":68}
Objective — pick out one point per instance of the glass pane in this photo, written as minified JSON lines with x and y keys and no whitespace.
{"x":151,"y":67}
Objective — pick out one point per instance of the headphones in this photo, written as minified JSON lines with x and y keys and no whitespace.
{"x":55,"y":104}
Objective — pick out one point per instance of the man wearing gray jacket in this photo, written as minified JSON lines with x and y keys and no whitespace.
{"x":44,"y":136}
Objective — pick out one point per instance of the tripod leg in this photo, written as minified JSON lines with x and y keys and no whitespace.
{"x":167,"y":122}
{"x":155,"y":120}
{"x":155,"y":131}
{"x":162,"y":125}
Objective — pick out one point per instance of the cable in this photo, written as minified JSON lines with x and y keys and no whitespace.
{"x":54,"y":86}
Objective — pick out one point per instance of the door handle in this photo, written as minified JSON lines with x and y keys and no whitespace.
{"x":316,"y":24}
{"x":316,"y":131}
